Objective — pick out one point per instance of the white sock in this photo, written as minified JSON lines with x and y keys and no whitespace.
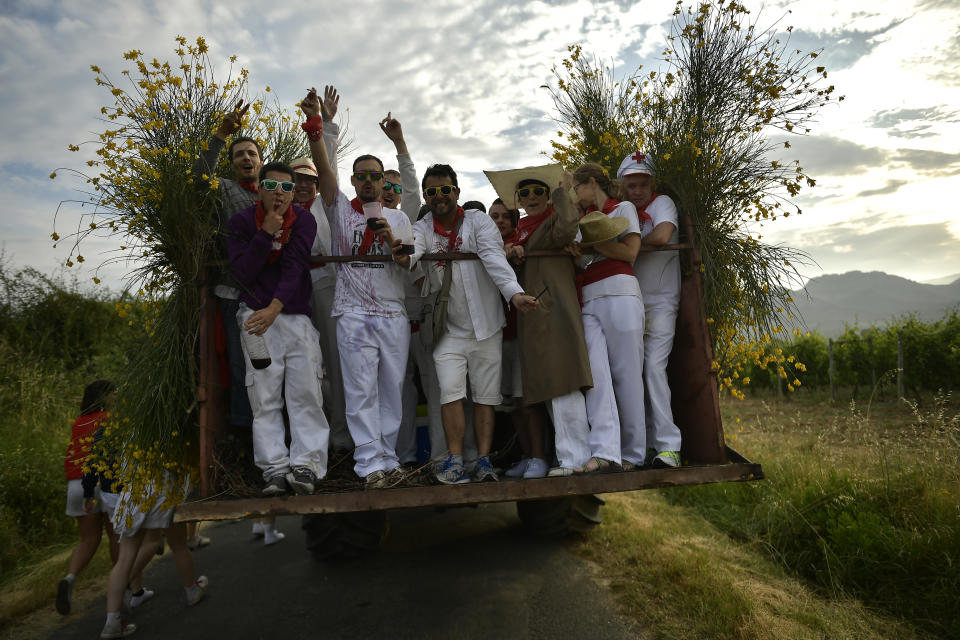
{"x":70,"y":577}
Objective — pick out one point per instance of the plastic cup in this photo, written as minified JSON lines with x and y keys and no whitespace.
{"x":372,"y":211}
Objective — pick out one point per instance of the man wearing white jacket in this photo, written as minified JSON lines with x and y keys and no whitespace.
{"x":474,"y":319}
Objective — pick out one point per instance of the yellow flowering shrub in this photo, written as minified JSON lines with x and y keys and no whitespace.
{"x":705,"y":119}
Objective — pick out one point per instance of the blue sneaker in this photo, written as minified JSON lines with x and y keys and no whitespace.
{"x":452,"y":472}
{"x":484,"y":470}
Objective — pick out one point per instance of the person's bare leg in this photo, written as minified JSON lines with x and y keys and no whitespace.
{"x":519,"y":419}
{"x":483,"y":426}
{"x":91,"y":529}
{"x":113,"y":539}
{"x":537,"y":427}
{"x":129,"y":546}
{"x":453,"y":426}
{"x":148,"y":549}
{"x":182,"y":558}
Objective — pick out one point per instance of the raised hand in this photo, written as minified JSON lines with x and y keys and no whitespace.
{"x":391,"y":127}
{"x":232,"y":121}
{"x":331,"y":102}
{"x":311,"y":104}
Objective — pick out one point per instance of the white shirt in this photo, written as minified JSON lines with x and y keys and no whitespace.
{"x":619,"y":284}
{"x":322,"y":241}
{"x":474,"y":309}
{"x":659,"y":271}
{"x":369,"y":288}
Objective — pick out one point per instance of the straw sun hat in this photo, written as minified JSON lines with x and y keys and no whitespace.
{"x":505,"y":182}
{"x":596,"y":227}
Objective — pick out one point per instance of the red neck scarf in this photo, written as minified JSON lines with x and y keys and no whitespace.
{"x":449,"y":234}
{"x":369,"y":235}
{"x":529,"y":224}
{"x":249,"y":185}
{"x":512,"y":238}
{"x":643,"y":215}
{"x":281,"y":237}
{"x":608,"y":206}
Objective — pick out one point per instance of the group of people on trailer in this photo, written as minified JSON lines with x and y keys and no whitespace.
{"x":336,"y":343}
{"x":561,"y":310}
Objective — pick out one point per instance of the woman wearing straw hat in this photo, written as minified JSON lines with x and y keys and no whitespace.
{"x":553,"y":354}
{"x":612,"y":321}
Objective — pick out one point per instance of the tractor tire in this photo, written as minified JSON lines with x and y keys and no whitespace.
{"x":558,"y":517}
{"x":343,"y":536}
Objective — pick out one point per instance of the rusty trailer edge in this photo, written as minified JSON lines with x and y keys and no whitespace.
{"x":446,"y":495}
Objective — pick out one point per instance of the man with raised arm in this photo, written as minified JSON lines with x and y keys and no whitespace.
{"x":474,"y":317}
{"x":235,"y":195}
{"x":372,"y":331}
{"x":324,"y":275}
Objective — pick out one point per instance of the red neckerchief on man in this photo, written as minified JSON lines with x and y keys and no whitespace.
{"x":249,"y":185}
{"x":281,"y":237}
{"x":449,"y":234}
{"x":368,"y":234}
{"x":643,"y":215}
{"x":529,"y":224}
{"x":512,"y":238}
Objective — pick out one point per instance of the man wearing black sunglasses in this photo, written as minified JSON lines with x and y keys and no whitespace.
{"x":269,"y":247}
{"x":474,"y":317}
{"x":372,"y":331}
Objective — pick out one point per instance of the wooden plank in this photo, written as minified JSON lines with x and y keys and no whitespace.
{"x":451,"y":495}
{"x":473,"y":256}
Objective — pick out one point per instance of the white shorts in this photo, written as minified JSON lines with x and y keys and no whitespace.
{"x":155,"y":512}
{"x":457,"y":357}
{"x":511,"y":381}
{"x":75,"y":499}
{"x":108,"y":502}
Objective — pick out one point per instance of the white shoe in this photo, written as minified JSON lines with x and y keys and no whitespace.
{"x":258,"y":530}
{"x":536,"y":468}
{"x":272,"y":536}
{"x":136,"y":601}
{"x":196,"y":591}
{"x":517,"y":470}
{"x":560,"y":472}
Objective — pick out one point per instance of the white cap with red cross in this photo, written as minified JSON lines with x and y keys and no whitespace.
{"x":638,"y":162}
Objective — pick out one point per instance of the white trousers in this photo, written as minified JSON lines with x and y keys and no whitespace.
{"x":613,"y":327}
{"x":295,"y":370}
{"x":321,"y":303}
{"x":662,"y":433}
{"x":373,"y":356}
{"x":571,"y":430}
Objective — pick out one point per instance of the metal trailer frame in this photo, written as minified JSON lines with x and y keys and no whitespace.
{"x":695,"y":403}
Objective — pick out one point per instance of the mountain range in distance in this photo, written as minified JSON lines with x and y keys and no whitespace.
{"x":873,"y":298}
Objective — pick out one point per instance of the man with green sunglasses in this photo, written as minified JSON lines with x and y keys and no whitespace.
{"x":269,"y":248}
{"x":372,"y":330}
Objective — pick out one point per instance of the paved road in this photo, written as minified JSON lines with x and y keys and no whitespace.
{"x":457,"y":574}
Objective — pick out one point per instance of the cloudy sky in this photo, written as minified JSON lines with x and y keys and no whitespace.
{"x":465,"y":81}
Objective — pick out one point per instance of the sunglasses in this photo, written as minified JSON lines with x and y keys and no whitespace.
{"x":537,"y":191}
{"x":368,"y":175}
{"x":397,"y":188}
{"x":446,"y":190}
{"x":271,"y":185}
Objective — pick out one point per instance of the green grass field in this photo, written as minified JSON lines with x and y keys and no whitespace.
{"x":855,"y":533}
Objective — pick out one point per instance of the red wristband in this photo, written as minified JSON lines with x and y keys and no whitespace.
{"x":314,"y":128}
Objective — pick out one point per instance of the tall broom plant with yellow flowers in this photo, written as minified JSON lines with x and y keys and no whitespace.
{"x":142,"y":192}
{"x":709,"y":118}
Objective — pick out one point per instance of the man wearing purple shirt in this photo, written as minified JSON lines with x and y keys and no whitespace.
{"x":269,"y":247}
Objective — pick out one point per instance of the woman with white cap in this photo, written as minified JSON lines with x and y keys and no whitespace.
{"x":612,"y":321}
{"x":659,"y":275}
{"x":553,"y":378}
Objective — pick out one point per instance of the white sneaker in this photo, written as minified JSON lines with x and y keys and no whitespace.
{"x":196,"y":591}
{"x":272,"y":536}
{"x":517,"y":470}
{"x":258,"y":530}
{"x":536,"y":468}
{"x":121,"y":629}
{"x":137,"y":600}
